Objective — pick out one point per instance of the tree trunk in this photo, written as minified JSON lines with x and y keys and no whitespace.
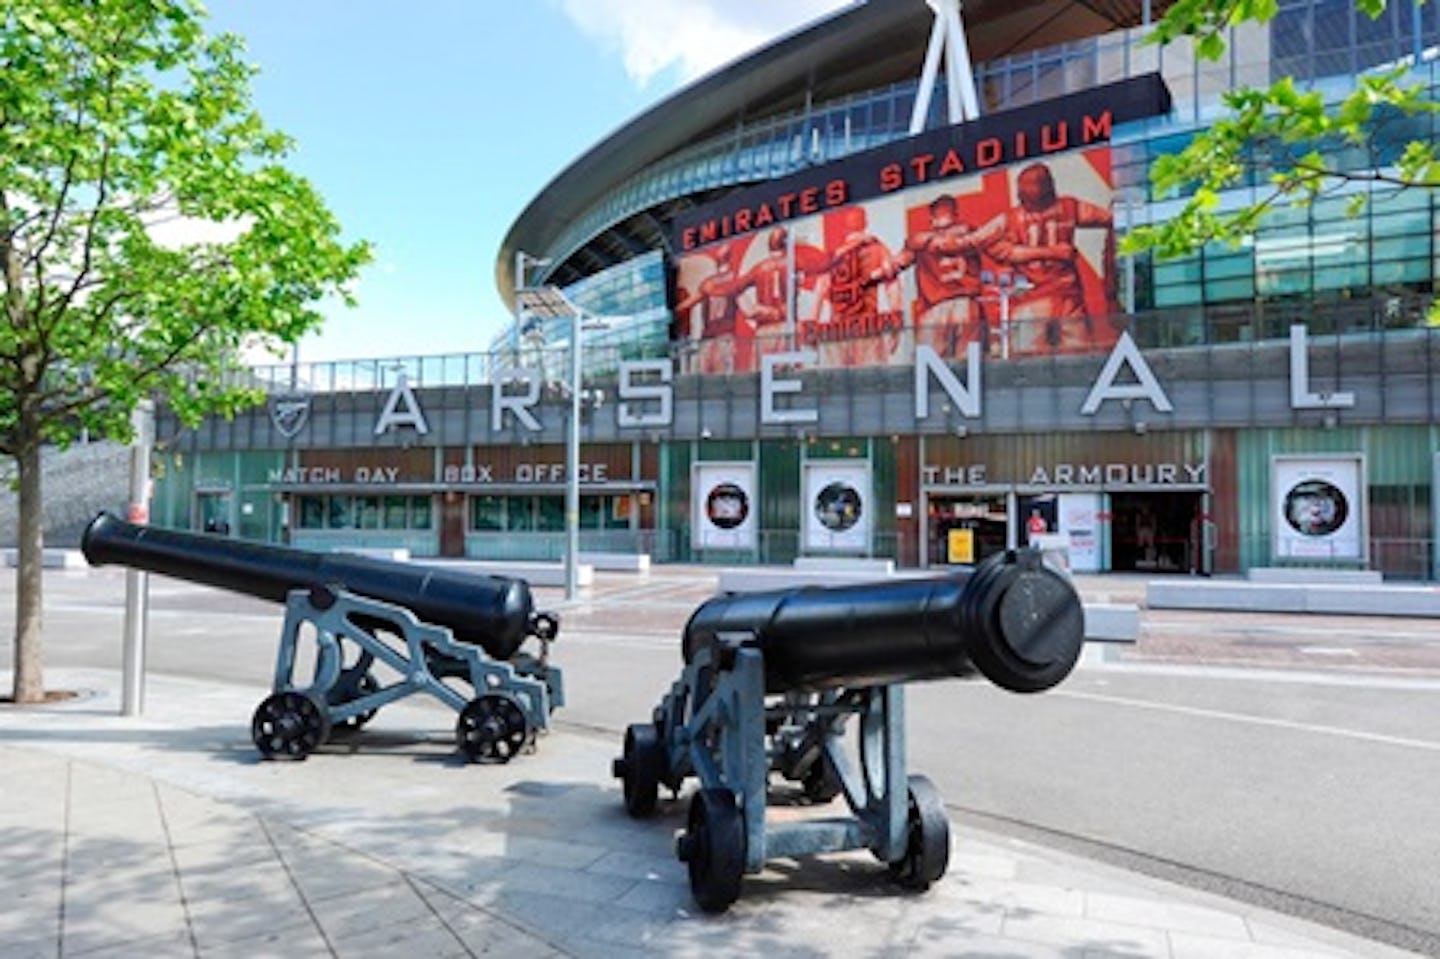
{"x":29,"y":606}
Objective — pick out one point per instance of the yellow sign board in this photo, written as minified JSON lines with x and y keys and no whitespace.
{"x":960,"y":545}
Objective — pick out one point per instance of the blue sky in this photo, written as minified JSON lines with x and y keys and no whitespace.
{"x":428,"y":126}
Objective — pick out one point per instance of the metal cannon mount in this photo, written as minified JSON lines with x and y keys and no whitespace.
{"x":771,"y":682}
{"x":508,"y":703}
{"x":433,"y":630}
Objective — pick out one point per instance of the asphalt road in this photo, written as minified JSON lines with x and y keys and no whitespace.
{"x":1311,"y":791}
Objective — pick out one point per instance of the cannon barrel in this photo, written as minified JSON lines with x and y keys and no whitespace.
{"x":1015,"y":619}
{"x":493,"y":612}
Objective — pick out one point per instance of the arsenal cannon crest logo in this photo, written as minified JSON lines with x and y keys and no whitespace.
{"x":289,"y":412}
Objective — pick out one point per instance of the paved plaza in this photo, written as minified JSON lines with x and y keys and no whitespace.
{"x":165,"y":835}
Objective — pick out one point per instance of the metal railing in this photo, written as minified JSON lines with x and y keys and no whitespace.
{"x":1197,"y":326}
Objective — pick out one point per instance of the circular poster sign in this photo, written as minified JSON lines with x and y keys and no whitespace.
{"x":838,"y":506}
{"x":727,"y":506}
{"x":1316,"y":508}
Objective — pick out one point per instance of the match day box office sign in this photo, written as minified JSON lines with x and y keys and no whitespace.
{"x":357,"y":468}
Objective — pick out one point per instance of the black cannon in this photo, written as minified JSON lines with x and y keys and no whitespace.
{"x":431,"y":627}
{"x":771,"y":679}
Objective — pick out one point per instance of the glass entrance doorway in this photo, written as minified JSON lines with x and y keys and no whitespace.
{"x":1156,"y":532}
{"x":212,"y":512}
{"x":963,"y":530}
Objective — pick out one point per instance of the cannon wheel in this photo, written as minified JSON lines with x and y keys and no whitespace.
{"x":713,"y":847}
{"x":821,"y":782}
{"x":640,"y":769}
{"x":491,"y":728}
{"x":927,"y":838}
{"x":291,"y":724}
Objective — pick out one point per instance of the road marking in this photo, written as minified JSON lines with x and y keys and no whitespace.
{"x":1255,"y":720}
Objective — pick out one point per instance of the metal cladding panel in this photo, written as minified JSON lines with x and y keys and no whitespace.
{"x":780,"y":478}
{"x":675,"y":460}
{"x":1402,"y":455}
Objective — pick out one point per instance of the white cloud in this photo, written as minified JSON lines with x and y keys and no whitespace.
{"x":690,"y":36}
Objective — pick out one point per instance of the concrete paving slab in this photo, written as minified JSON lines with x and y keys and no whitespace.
{"x":402,"y":851}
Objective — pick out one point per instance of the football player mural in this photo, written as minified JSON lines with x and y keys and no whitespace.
{"x":1019,"y":259}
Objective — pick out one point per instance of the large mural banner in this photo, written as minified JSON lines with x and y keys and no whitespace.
{"x":1020,"y":260}
{"x":998,"y":231}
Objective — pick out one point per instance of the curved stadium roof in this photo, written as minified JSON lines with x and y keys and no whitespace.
{"x":861,"y":47}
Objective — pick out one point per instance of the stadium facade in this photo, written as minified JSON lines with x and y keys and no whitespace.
{"x":820,"y":322}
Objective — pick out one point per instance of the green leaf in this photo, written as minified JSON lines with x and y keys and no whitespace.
{"x":114,"y":115}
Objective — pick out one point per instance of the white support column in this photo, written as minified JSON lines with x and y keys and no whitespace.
{"x":928,"y":75}
{"x":962,"y":100}
{"x":957,"y":63}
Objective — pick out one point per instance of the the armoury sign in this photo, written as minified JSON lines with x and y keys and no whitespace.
{"x":646,"y":390}
{"x":1065,"y":475}
{"x":998,"y":231}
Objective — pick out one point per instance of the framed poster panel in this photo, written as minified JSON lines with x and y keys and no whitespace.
{"x":1080,"y":524}
{"x":1318,"y":508}
{"x":724,"y":509}
{"x":838,"y":506}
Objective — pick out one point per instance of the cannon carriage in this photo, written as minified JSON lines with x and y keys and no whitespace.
{"x":771,"y":681}
{"x":455,"y":636}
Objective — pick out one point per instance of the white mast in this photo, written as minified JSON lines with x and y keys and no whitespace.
{"x":947,"y":36}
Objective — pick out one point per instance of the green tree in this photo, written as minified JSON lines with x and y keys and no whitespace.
{"x":148,"y":231}
{"x":1279,"y":130}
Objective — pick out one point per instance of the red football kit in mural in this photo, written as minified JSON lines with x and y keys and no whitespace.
{"x":719,"y":348}
{"x":1047,"y":312}
{"x":858,"y":333}
{"x":855,"y":269}
{"x":946,"y":258}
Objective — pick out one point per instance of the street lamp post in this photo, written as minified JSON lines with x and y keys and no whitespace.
{"x":572,"y":465}
{"x":545,"y":303}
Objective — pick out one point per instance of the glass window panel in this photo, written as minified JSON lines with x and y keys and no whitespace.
{"x":520,"y":513}
{"x":420,"y":512}
{"x":312,"y":512}
{"x":1332,"y":273}
{"x":1177,"y":294}
{"x":549,"y":513}
{"x":341,"y":511}
{"x":1240,"y":288}
{"x":396,"y":510}
{"x":1221,"y":265}
{"x":1276,"y":282}
{"x":1170,"y":272}
{"x":1400,"y":271}
{"x":1406,"y":225}
{"x":1401,"y":247}
{"x":592,"y":512}
{"x":487,"y":513}
{"x":367,"y":512}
